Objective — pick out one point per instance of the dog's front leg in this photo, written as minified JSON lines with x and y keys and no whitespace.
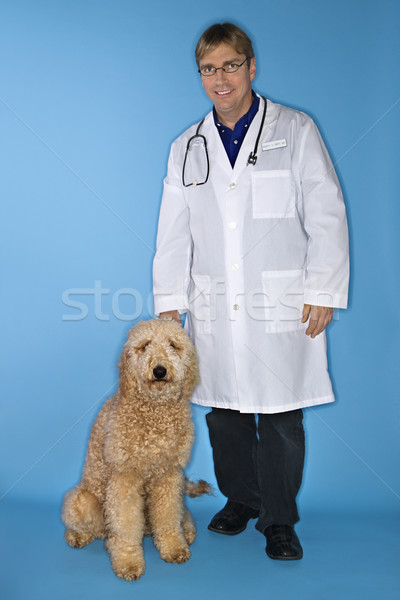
{"x":125,"y":523}
{"x":166,"y":507}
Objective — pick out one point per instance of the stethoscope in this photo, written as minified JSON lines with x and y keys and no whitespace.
{"x":250,"y":161}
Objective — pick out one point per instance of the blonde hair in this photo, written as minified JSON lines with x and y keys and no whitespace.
{"x":224,"y":33}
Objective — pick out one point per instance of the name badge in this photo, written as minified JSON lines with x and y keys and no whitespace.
{"x":274,"y":144}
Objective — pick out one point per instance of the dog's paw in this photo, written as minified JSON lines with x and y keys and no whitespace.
{"x":177,"y":554}
{"x":77,"y":539}
{"x":189,"y":528}
{"x":128,"y":565}
{"x":127,"y":561}
{"x":128,"y":571}
{"x":190,"y":535}
{"x":189,"y":531}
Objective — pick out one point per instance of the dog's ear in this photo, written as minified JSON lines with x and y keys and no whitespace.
{"x":192,"y":377}
{"x":127,"y":381}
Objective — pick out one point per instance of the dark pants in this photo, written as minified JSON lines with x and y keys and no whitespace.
{"x":263,"y":471}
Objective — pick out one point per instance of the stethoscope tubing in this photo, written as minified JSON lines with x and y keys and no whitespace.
{"x":250,"y":161}
{"x":202,"y":137}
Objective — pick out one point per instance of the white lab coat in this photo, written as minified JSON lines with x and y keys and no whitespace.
{"x":244,"y":252}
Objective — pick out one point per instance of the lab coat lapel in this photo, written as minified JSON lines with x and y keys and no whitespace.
{"x":221,"y":172}
{"x":216,"y":148}
{"x":220,"y":167}
{"x":251,"y":136}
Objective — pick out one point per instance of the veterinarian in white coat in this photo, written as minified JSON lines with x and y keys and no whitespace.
{"x":248,"y":252}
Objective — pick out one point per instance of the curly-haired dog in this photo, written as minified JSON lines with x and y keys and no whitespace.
{"x":132,"y":482}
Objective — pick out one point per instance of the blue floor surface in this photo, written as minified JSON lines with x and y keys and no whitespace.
{"x":345,"y":557}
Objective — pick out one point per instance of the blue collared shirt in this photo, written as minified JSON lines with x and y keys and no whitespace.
{"x":233,"y":140}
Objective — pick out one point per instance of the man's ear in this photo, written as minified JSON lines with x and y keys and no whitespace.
{"x":252,"y":68}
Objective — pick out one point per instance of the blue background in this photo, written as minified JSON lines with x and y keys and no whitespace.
{"x":92,"y":94}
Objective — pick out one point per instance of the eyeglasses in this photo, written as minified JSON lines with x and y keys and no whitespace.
{"x":208,"y":70}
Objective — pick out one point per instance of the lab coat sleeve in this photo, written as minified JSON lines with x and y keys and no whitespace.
{"x":327,"y":262}
{"x":172,"y":262}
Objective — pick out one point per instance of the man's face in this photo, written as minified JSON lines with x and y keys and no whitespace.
{"x":229,"y":92}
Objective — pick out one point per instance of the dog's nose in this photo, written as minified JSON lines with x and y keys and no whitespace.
{"x":159,"y":372}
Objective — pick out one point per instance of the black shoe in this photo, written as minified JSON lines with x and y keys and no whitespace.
{"x":283,"y":543}
{"x":232,"y":519}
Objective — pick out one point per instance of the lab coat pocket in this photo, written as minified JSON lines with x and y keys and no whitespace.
{"x":284,"y":296}
{"x":200,"y":303}
{"x":274,"y":194}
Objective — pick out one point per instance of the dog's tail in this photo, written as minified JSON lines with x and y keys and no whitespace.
{"x":197,"y":488}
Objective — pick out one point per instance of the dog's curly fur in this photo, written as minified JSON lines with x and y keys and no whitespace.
{"x":132,"y":482}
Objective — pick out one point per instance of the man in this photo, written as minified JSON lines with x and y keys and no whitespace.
{"x":252,"y":244}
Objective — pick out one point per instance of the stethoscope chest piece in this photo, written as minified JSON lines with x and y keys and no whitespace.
{"x":253,"y":155}
{"x":199,"y":141}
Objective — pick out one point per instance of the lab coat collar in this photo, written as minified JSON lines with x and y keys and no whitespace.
{"x":216,"y":148}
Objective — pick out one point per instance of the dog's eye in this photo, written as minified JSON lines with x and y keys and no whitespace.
{"x":142,"y":347}
{"x":175,"y":346}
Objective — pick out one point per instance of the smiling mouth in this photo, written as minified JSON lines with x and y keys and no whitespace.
{"x":224,"y":93}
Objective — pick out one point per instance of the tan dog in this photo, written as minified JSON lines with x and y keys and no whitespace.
{"x":132,"y":482}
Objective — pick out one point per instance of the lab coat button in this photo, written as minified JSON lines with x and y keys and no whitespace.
{"x":235,"y":267}
{"x":232,"y":225}
{"x":236,"y":307}
{"x":232,"y":185}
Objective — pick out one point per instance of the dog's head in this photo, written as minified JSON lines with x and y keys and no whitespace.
{"x":158,"y":360}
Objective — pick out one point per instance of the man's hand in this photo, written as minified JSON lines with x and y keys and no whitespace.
{"x":320,"y":317}
{"x":171,"y":314}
